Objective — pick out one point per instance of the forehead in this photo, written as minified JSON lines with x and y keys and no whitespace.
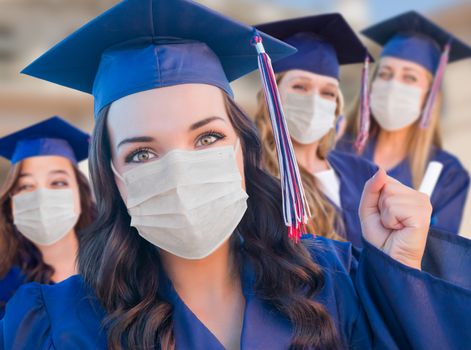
{"x":298,"y":74}
{"x":398,"y":63}
{"x":45,"y":164}
{"x":163,"y":109}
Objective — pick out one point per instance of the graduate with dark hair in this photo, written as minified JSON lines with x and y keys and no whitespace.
{"x":191,"y":249}
{"x":44,"y":204}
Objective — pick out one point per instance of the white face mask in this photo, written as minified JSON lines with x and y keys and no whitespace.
{"x":44,"y":216}
{"x":188,"y":202}
{"x":309,"y":117}
{"x":395,"y":105}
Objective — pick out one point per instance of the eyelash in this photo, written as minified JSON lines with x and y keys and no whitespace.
{"x":23,"y":187}
{"x":60,"y":183}
{"x":217,"y":135}
{"x":329,"y":94}
{"x":299,"y":87}
{"x":129,"y":157}
{"x":410,"y":78}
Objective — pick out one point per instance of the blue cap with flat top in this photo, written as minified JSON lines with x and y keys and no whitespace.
{"x":324,"y":42}
{"x":140,"y":45}
{"x":51,"y":137}
{"x":412,"y":37}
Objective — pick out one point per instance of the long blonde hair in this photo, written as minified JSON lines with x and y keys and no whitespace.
{"x":420,"y":141}
{"x":325,"y":221}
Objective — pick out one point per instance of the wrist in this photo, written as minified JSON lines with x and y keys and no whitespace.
{"x":412,"y":263}
{"x":405,"y":257}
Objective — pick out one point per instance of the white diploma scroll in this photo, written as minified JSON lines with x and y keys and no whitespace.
{"x":432,"y":174}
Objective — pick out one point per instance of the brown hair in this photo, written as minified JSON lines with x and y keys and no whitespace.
{"x":325,"y":221}
{"x":17,"y":250}
{"x":420,"y":141}
{"x":124,"y":269}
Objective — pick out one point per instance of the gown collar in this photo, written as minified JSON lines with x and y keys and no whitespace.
{"x":263,"y":327}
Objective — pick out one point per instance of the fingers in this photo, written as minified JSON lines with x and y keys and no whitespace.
{"x":371,"y":194}
{"x":401,"y":206}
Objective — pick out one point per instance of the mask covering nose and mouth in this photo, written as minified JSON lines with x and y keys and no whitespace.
{"x":309,"y":117}
{"x":45,"y":216}
{"x":395,"y":105}
{"x":187,"y":203}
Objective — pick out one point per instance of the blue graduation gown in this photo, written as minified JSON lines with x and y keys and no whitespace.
{"x":375,"y":302}
{"x":8,"y":285}
{"x":450,"y":194}
{"x":353,"y":172}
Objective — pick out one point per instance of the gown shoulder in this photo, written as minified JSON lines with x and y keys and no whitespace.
{"x":351,"y":161}
{"x":13,"y":280}
{"x":61,"y":316}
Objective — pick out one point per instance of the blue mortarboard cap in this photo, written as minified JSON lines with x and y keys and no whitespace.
{"x":411,"y":36}
{"x":324,"y":43}
{"x":51,"y":137}
{"x":140,"y":45}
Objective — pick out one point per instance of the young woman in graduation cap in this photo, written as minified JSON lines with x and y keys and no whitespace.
{"x":405,"y":101}
{"x":312,"y":102}
{"x":44,"y":203}
{"x":191,"y":249}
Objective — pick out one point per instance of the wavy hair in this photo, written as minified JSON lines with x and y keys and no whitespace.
{"x":124,"y":269}
{"x":16,"y":249}
{"x":325,"y":221}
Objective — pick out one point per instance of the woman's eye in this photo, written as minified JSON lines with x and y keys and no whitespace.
{"x":60,"y":184}
{"x":329,"y":95}
{"x":299,"y":87}
{"x":140,"y":156}
{"x":385,"y":75}
{"x":209,"y":139}
{"x":25,"y":187}
{"x":410,"y":78}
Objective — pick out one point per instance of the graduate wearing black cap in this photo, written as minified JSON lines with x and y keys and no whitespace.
{"x":405,"y":105}
{"x":313,"y":102}
{"x":44,"y":201}
{"x":190,"y":249}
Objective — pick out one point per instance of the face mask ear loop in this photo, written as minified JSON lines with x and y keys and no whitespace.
{"x":115,"y":172}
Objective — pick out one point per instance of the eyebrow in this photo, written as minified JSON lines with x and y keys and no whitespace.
{"x":52,"y":172}
{"x":332,"y":85}
{"x":62,"y":172}
{"x":204,"y":122}
{"x":136,"y":139}
{"x":411,"y":69}
{"x":300,"y":78}
{"x":24,"y":175}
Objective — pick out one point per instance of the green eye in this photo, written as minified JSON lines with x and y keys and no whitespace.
{"x":208,"y":139}
{"x":140,"y":156}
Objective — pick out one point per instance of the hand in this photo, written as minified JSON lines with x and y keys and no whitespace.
{"x":395,"y":218}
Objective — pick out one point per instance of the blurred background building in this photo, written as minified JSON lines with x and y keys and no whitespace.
{"x":29,"y":27}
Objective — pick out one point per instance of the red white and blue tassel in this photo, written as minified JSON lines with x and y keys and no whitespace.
{"x":296,"y":211}
{"x":437,"y":82}
{"x":364,"y":130}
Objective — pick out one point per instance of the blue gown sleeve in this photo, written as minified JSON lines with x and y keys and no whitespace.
{"x":28,"y":326}
{"x":8,"y":286}
{"x":413,"y":309}
{"x":448,"y":257}
{"x":449,"y":198}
